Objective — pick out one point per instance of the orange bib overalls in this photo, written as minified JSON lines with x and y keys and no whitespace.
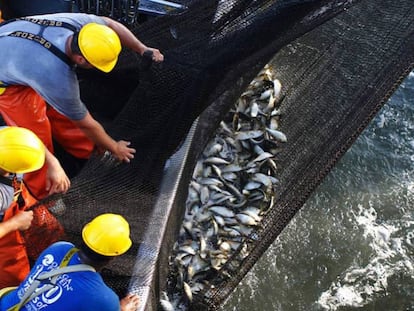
{"x":14,"y":262}
{"x":14,"y":258}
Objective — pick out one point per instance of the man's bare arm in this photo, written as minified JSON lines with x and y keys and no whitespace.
{"x":129,"y":40}
{"x":56,"y":179}
{"x":21,"y":221}
{"x":95,"y":132}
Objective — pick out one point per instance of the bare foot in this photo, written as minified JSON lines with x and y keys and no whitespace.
{"x":129,"y":303}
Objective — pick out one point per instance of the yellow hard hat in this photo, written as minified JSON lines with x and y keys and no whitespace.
{"x":21,"y":151}
{"x":100,"y":45}
{"x":107,"y":234}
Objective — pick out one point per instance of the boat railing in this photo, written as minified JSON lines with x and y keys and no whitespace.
{"x":127,"y":11}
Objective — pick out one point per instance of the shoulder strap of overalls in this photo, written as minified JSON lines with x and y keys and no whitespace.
{"x":53,"y":275}
{"x":40,"y":40}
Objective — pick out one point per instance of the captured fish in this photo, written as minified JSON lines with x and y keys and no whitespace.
{"x":278,"y":135}
{"x":233,"y":187}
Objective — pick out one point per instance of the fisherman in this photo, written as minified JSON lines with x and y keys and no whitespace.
{"x":39,"y":86}
{"x":66,"y":278}
{"x":21,"y":151}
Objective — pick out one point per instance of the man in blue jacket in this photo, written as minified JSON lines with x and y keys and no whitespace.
{"x":66,"y":278}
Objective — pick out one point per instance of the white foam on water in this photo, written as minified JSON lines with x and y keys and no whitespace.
{"x":359,"y":285}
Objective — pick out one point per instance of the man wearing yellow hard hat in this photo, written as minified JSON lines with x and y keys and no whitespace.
{"x":21,"y":151}
{"x":38,"y":55}
{"x":66,"y":278}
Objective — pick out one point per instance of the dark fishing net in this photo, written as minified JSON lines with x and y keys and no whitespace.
{"x":338,"y":62}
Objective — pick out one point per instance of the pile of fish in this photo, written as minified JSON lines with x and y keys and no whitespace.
{"x":232,"y":187}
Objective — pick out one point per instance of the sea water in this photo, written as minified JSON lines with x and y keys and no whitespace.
{"x":351,"y":246}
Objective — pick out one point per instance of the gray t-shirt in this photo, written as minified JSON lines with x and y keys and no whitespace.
{"x":6,"y":197}
{"x":24,"y":62}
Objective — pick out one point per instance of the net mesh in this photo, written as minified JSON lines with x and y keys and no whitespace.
{"x":337,"y":61}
